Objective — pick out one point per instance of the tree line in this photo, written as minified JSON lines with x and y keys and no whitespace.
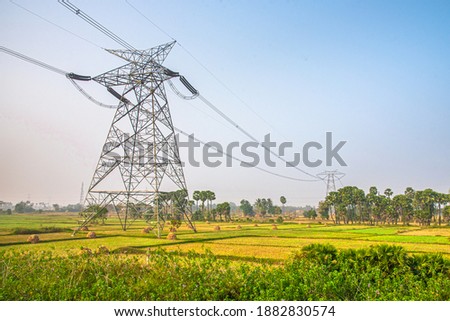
{"x":221,"y":211}
{"x":28,"y":207}
{"x":262,"y":206}
{"x":351,"y":204}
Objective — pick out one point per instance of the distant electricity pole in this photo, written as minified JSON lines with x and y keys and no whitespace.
{"x":330,"y":178}
{"x":82,"y":194}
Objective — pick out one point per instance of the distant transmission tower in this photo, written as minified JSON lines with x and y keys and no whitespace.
{"x":329,"y":177}
{"x":82,"y":193}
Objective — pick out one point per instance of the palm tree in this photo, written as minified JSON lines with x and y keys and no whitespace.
{"x":372,"y":202}
{"x":196,"y":197}
{"x":390,"y":212}
{"x":360,"y":201}
{"x":179,"y":201}
{"x":261,"y":206}
{"x":203,"y":195}
{"x":191,"y":204}
{"x":211,"y":196}
{"x":424,"y":202}
{"x":283,"y":201}
{"x":402,"y":204}
{"x":388,"y":192}
{"x":332,"y":201}
{"x":270,"y":207}
{"x":409,"y":192}
{"x":441,"y":199}
{"x":223,"y":209}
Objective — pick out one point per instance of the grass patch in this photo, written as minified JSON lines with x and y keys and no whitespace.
{"x":45,"y":229}
{"x":412,"y":239}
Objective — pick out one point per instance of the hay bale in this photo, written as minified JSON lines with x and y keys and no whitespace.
{"x":171,"y":236}
{"x":102,"y":250}
{"x":239,"y":227}
{"x":207,"y":222}
{"x":308,"y":226}
{"x":84,"y":228}
{"x":173,"y":229}
{"x":91,"y":235}
{"x":274,"y":227}
{"x":147,"y":229}
{"x":86,"y":251}
{"x":217,"y":228}
{"x":255,"y":225}
{"x":33,"y":239}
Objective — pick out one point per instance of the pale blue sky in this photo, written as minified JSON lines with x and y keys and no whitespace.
{"x":375,"y":73}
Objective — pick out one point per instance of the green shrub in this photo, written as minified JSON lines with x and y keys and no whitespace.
{"x":320,"y":272}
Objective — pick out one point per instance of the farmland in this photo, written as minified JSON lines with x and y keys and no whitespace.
{"x":237,"y":240}
{"x":302,"y":260}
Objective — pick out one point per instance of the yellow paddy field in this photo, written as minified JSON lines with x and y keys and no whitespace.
{"x":249,"y":241}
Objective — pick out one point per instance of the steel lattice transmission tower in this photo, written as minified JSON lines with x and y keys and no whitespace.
{"x":330,"y":178}
{"x":139,"y":169}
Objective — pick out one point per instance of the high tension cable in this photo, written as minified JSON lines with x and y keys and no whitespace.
{"x":95,"y":24}
{"x":69,"y":75}
{"x":235,"y":125}
{"x":32,"y":60}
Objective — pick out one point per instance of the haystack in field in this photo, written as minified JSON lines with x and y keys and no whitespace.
{"x":217,"y":228}
{"x":171,"y":236}
{"x":86,"y":251}
{"x":239,"y":227}
{"x":102,"y":250}
{"x":84,"y":228}
{"x":147,"y":229}
{"x":91,"y":235}
{"x":33,"y":239}
{"x":255,"y":225}
{"x":172,"y":229}
{"x":274,"y":227}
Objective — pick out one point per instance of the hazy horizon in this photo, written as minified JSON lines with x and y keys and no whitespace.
{"x":374,"y":73}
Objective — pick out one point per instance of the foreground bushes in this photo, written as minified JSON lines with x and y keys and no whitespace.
{"x":319,"y":272}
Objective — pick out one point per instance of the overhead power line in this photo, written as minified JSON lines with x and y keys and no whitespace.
{"x":195,"y":93}
{"x":122,"y":42}
{"x":95,"y":24}
{"x":32,"y":60}
{"x":236,"y":158}
{"x":69,"y":75}
{"x":54,"y":24}
{"x":242,"y":130}
{"x":213,"y":107}
{"x":246,"y":133}
{"x":204,"y":67}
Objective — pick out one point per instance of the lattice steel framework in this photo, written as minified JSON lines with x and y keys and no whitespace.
{"x":330,"y":178}
{"x":139,"y":169}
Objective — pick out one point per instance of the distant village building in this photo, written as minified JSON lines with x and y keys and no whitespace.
{"x":4,"y":206}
